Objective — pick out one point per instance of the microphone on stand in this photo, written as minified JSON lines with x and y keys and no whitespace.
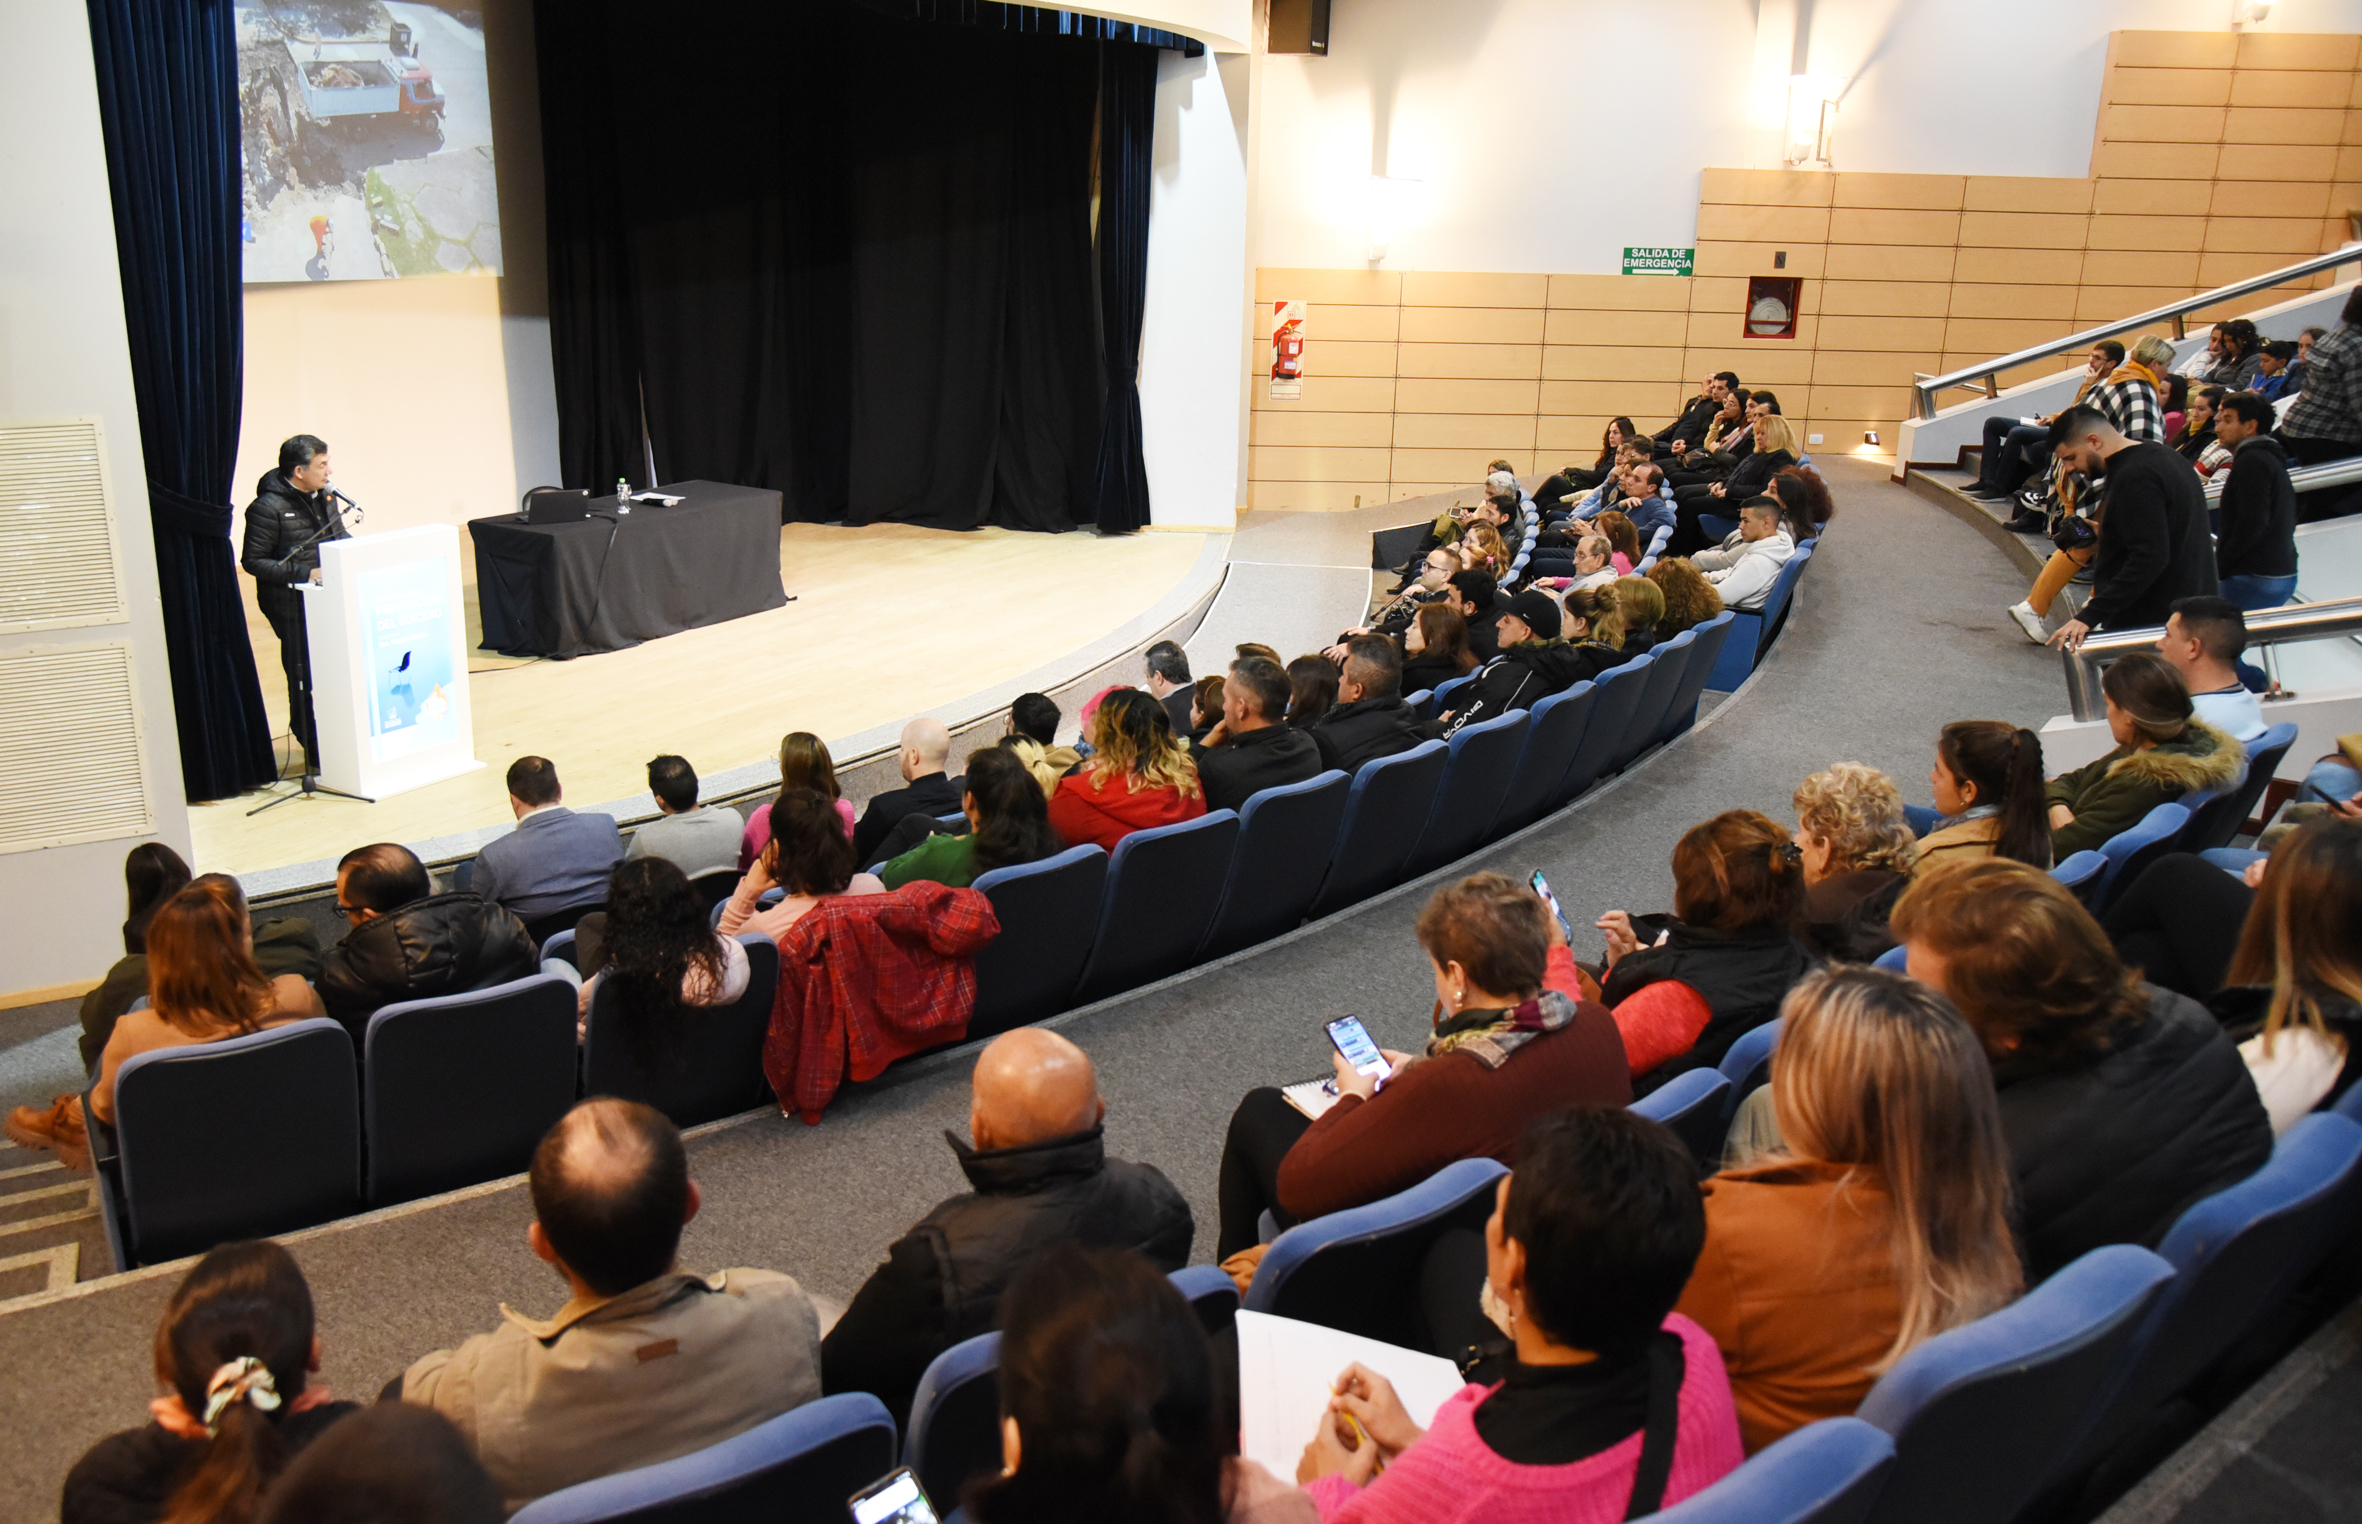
{"x":358,"y":511}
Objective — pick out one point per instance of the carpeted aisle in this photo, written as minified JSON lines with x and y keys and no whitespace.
{"x":1897,"y":628}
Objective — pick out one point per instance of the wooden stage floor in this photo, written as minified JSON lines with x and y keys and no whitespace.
{"x":889,"y":621}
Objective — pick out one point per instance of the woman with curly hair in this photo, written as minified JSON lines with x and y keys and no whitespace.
{"x":661,"y":956}
{"x":1858,"y":850}
{"x":1138,"y":775}
{"x":1690,"y":600}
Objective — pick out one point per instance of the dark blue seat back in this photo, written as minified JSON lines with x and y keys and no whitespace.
{"x":1616,"y":695}
{"x":242,"y":1138}
{"x":1692,"y":1105}
{"x":458,"y":1089}
{"x":1824,"y":1473}
{"x":798,"y":1468}
{"x":1483,"y":758}
{"x":2129,"y":853}
{"x":1285,"y":836}
{"x":1448,"y":693}
{"x":712,"y":1063}
{"x":1656,"y":698}
{"x":1211,"y":1294}
{"x":1746,"y":1063}
{"x":2081,"y":874}
{"x":1358,"y":1269}
{"x":1554,"y":730}
{"x":1385,"y":810}
{"x":1163,"y":887}
{"x":2217,"y":822}
{"x":1421,"y":703}
{"x":1049,"y":912}
{"x":954,"y":1434}
{"x":1783,"y":589}
{"x":1717,"y":527}
{"x":1713,"y":635}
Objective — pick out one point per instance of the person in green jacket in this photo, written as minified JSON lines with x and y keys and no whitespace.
{"x":1008,"y":824}
{"x":2162,"y":753}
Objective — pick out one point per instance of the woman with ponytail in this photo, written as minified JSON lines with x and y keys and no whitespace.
{"x":234,"y":1356}
{"x":1989,"y":788}
{"x":1108,"y":1408}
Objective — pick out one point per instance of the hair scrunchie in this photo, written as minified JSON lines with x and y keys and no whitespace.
{"x":244,"y":1378}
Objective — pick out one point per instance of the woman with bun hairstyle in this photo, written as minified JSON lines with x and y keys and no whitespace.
{"x":2162,"y":752}
{"x":234,"y":1357}
{"x":1988,"y":786}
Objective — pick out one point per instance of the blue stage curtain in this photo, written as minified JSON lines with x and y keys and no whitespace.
{"x":168,"y":100}
{"x":1127,"y":148}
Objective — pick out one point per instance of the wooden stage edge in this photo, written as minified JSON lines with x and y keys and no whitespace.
{"x":889,"y":622}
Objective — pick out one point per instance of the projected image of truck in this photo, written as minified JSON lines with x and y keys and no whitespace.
{"x":367,"y":129}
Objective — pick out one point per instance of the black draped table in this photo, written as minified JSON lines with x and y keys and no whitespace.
{"x":611,"y":581}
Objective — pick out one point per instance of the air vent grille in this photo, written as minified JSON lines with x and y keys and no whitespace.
{"x":57,"y":542}
{"x":69,"y":748}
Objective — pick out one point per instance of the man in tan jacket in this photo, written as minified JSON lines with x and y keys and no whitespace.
{"x":646,"y":1362}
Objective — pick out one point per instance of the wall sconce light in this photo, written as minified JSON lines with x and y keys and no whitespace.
{"x":1869,"y":436}
{"x":1812,"y":120}
{"x":1392,"y":204}
{"x":2250,"y":13}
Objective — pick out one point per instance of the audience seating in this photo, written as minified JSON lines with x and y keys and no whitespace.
{"x":1667,"y":663}
{"x":1824,"y":1473}
{"x":543,"y":927}
{"x":2129,"y":853}
{"x":1981,"y":1415}
{"x":719,"y":1068}
{"x":242,"y":1138}
{"x":2081,"y":873}
{"x":1211,"y":1294}
{"x":1712,"y":636}
{"x":1748,"y":1064}
{"x":1656,"y":547}
{"x":1285,"y":836}
{"x":1692,"y":1104}
{"x":1163,"y":886}
{"x":763,"y":901}
{"x":1553,"y":732}
{"x":714,"y":888}
{"x":459,"y":1088}
{"x":798,"y":1468}
{"x":1446,"y":691}
{"x":1049,"y":912}
{"x":1751,"y":633}
{"x":1892,"y":960}
{"x":1924,"y":820}
{"x":2216,"y":823}
{"x":1421,"y":703}
{"x":1375,"y":839}
{"x":955,"y":1419}
{"x":1358,"y":1270}
{"x":1717,"y":527}
{"x":1481,"y":762}
{"x":1616,"y":696}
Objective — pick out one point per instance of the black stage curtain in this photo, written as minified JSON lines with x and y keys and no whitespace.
{"x":839,"y":253}
{"x":168,"y":102}
{"x":1127,"y":135}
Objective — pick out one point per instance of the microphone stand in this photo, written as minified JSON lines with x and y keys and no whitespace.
{"x":310,"y":785}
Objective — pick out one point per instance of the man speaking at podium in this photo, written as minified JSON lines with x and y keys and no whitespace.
{"x":293,"y":511}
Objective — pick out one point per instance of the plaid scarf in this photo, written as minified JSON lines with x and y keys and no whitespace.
{"x":1492,"y":1036}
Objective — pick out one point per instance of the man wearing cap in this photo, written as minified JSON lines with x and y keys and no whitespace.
{"x":1534,"y":663}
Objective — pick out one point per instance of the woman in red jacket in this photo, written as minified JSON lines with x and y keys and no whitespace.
{"x":1137,"y":776}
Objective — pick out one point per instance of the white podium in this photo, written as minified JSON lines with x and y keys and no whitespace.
{"x":389,"y":662}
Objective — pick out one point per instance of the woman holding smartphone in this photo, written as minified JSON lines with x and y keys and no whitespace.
{"x":1511,"y":1040}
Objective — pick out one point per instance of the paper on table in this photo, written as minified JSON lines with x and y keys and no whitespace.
{"x":1285,"y":1369}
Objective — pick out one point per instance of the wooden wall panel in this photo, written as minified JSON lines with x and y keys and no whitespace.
{"x":1463,"y":431}
{"x":1313,"y":463}
{"x":1368,"y":430}
{"x":1470,"y":361}
{"x":1469,"y":325}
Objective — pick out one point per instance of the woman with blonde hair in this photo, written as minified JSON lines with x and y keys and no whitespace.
{"x":1882,"y":1221}
{"x":1593,"y":631}
{"x":2293,"y":1001}
{"x":1858,"y":850}
{"x":1138,"y":775}
{"x":1482,"y":549}
{"x":1690,"y":600}
{"x":804,"y":762}
{"x":1640,"y":608}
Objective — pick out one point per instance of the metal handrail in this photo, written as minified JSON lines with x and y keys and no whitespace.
{"x":1987,"y":374}
{"x":2271,"y":627}
{"x":2335,"y":473}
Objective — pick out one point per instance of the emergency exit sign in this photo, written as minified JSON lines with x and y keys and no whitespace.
{"x":1659,"y":261}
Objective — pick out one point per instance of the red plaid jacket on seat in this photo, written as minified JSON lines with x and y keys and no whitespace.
{"x":867,"y":979}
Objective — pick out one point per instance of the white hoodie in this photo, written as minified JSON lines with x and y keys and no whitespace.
{"x":1743,"y":571}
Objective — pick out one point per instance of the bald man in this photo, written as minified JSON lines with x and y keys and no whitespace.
{"x":1041,"y":1176}
{"x":926,"y":746}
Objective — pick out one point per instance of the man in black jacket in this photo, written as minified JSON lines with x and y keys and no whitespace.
{"x":292,"y":512}
{"x":1478,"y":599}
{"x":1254,"y":748}
{"x":1533,"y":664}
{"x":2154,"y":546}
{"x":1697,"y":414}
{"x":1042,"y":1177}
{"x":410,"y":943}
{"x":1369,"y":719}
{"x":926,"y":790}
{"x":2256,"y":554}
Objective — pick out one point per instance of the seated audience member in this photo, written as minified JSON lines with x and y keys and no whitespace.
{"x":1648,"y":500}
{"x":2305,"y":340}
{"x":1168,"y":681}
{"x":2129,"y":399}
{"x":1482,"y":549}
{"x":1587,"y":1252}
{"x":1697,"y":415}
{"x":1312,"y":690}
{"x":1370,"y":720}
{"x":1534,"y":663}
{"x":1108,"y":1406}
{"x":409,"y":943}
{"x":2122,"y":1104}
{"x":2162,"y":752}
{"x":1746,"y":565}
{"x":2293,"y":998}
{"x":1738,"y":888}
{"x":1435,"y":573}
{"x":1988,"y":786}
{"x":804,"y":762}
{"x":2255,"y":546}
{"x":1512,"y":1041}
{"x":1858,"y":850}
{"x":808,"y":858}
{"x":926,"y":790}
{"x":698,"y":839}
{"x":2173,"y":396}
{"x":1138,"y":775}
{"x":645,"y":1361}
{"x":2014,"y":449}
{"x":1690,"y":600}
{"x":2326,"y":422}
{"x":555,"y":859}
{"x":2197,"y":438}
{"x":1436,"y":649}
{"x":1804,"y":501}
{"x":1592,"y":623}
{"x":1624,"y":547}
{"x":1595,"y":561}
{"x":1479,"y":601}
{"x":2202,"y":362}
{"x":1728,"y":441}
{"x":1041,"y":1178}
{"x":663,"y":958}
{"x":1205,"y":707}
{"x":1775,"y":448}
{"x":2236,"y":368}
{"x":2202,"y":641}
{"x":234,"y":1356}
{"x":390,"y":1463}
{"x":1640,"y":607}
{"x":1882,"y":1219}
{"x":1033,"y":737}
{"x":1569,"y":480}
{"x":1247,"y":648}
{"x":1008,"y":824}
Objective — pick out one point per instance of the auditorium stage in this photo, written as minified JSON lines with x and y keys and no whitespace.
{"x":888,"y":622}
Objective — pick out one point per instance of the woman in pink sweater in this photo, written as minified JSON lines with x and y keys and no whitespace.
{"x":1614,"y":1406}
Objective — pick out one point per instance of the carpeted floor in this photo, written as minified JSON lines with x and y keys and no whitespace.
{"x":1896,"y":629}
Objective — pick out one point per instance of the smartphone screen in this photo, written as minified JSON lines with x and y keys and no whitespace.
{"x":1542,"y":888}
{"x":1353,"y":1040}
{"x":898,"y":1499}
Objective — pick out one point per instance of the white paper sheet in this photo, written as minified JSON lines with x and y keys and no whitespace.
{"x":1285,"y":1375}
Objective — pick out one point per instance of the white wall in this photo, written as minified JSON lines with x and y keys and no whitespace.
{"x":63,"y":354}
{"x":1191,"y":362}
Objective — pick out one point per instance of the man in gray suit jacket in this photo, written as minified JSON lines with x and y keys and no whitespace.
{"x":555,"y":859}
